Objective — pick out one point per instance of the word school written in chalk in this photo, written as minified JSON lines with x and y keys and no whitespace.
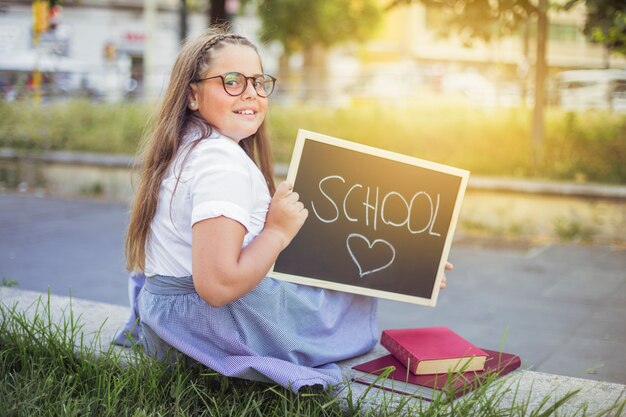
{"x":377,"y":207}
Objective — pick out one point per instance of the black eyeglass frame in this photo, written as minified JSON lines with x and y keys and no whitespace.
{"x":253,"y":79}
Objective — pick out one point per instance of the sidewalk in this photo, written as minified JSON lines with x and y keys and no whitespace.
{"x":561,"y":307}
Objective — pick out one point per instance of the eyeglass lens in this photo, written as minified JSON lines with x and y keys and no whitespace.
{"x":236,"y":83}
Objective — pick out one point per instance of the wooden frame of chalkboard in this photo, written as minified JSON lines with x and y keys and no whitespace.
{"x":380,"y":223}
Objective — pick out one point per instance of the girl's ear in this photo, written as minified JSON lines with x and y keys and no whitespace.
{"x":193,"y":98}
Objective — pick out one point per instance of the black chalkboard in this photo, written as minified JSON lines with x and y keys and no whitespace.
{"x":380,"y":223}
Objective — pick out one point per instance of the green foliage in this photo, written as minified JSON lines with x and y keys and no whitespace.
{"x":73,"y":125}
{"x":589,"y":148}
{"x":491,"y":142}
{"x":296,"y":24}
{"x":8,"y":282}
{"x":95,"y":189}
{"x":572,"y":230}
{"x":606,"y":22}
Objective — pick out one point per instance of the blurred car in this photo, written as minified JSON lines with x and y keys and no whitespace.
{"x":61,"y":77}
{"x":592,"y":89}
{"x":475,"y":87}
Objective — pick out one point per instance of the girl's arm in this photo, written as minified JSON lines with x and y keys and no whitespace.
{"x":224,"y":272}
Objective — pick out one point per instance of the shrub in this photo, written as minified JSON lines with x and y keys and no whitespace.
{"x":493,"y":142}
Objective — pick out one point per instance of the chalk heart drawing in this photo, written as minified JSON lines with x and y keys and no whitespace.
{"x":370,"y":245}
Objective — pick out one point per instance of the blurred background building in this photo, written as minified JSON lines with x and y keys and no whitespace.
{"x":116,"y":50}
{"x":412,"y":46}
{"x":96,"y":47}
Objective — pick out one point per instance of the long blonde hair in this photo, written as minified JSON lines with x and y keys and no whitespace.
{"x":172,"y":119}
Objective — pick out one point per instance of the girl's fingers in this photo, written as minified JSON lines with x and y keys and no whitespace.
{"x":292,"y":197}
{"x":283,"y":189}
{"x":449,"y":267}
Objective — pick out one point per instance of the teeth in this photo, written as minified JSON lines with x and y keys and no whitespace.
{"x":245,"y":112}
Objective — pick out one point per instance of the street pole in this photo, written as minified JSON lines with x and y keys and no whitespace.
{"x":40,"y":24}
{"x":149,"y":21}
{"x":183,"y":21}
{"x":217,"y":13}
{"x":540,"y":76}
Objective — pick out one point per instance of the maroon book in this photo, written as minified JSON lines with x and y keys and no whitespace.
{"x":429,"y":386}
{"x":433,"y":350}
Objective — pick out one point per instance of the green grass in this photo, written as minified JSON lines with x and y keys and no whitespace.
{"x":77,"y":125}
{"x":8,"y":282}
{"x":590,"y":146}
{"x":52,"y":368}
{"x":573,"y":230}
{"x":44,"y":372}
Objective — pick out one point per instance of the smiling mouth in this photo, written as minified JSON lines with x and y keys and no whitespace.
{"x":246,"y":112}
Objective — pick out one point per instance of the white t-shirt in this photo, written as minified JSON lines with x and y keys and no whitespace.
{"x":217,"y":179}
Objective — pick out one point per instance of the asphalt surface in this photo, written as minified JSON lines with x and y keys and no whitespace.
{"x":561,"y":307}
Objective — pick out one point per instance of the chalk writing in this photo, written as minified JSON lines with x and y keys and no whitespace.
{"x":374,"y":207}
{"x":370,"y":246}
{"x":380,"y":223}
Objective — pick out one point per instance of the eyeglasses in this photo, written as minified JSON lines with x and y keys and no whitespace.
{"x":235,"y":83}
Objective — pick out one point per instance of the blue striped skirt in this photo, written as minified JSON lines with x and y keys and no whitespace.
{"x":280,"y":332}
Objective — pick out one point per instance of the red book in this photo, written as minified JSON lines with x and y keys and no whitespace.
{"x":433,"y":350}
{"x":431,"y":386}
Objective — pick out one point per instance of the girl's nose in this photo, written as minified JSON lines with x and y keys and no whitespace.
{"x":249,"y":91}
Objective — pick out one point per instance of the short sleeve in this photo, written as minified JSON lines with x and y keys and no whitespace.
{"x":220,"y":183}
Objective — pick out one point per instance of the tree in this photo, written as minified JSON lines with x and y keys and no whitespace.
{"x":218,"y":14}
{"x":312,"y":27}
{"x":488,"y":19}
{"x":606,"y":22}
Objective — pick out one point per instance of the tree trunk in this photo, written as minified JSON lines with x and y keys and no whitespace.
{"x":523,"y":73}
{"x":283,"y":85}
{"x":540,"y":76}
{"x":315,"y":74}
{"x":182,"y":32}
{"x":217,"y":13}
{"x":606,"y":57}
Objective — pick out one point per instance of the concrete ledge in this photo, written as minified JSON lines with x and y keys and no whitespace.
{"x":69,"y":158}
{"x":557,"y":188}
{"x":95,"y":317}
{"x":527,"y":186}
{"x":524,"y":385}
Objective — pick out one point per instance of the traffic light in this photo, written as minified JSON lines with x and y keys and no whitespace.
{"x":110,"y":52}
{"x":54,"y":16}
{"x":46,"y":15}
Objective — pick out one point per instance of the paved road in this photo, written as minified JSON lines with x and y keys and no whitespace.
{"x":561,"y":307}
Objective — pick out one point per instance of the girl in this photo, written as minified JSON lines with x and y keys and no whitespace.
{"x":206,"y":232}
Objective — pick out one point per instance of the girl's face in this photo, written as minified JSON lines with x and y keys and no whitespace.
{"x":235,"y":117}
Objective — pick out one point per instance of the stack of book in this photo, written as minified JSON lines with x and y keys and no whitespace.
{"x":432,"y":362}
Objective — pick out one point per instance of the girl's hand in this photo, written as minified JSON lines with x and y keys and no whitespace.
{"x":449,"y":267}
{"x":286,"y":214}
